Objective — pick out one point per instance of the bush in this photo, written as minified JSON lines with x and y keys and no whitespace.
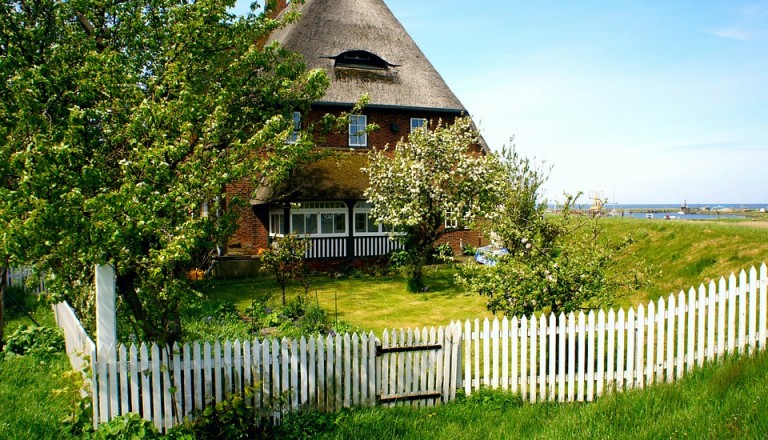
{"x":469,"y":250}
{"x":442,"y":252}
{"x":128,"y":426}
{"x":34,"y":340}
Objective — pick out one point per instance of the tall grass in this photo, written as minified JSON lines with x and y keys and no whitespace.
{"x":36,"y":394}
{"x":724,"y":400}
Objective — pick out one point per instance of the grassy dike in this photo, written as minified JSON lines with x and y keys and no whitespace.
{"x":725,"y":400}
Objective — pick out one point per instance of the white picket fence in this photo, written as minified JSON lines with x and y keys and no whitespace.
{"x":326,"y":373}
{"x":577,"y":357}
{"x":580,"y":357}
{"x":80,"y":348}
{"x":19,"y":277}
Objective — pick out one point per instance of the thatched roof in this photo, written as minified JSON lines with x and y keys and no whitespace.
{"x":330,"y":28}
{"x":337,"y":177}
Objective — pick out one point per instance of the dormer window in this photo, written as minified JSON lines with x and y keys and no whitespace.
{"x":360,"y":59}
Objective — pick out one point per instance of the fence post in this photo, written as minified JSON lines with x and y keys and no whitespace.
{"x":106,"y":316}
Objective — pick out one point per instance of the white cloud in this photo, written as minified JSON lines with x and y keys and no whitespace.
{"x":732,"y":33}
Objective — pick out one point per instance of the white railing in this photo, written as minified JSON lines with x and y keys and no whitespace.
{"x":581,"y":356}
{"x":375,"y":246}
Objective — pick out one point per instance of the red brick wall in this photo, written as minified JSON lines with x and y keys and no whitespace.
{"x":253,"y":224}
{"x":393,"y":125}
{"x":460,"y":238}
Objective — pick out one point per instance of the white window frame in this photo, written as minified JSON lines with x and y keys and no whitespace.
{"x":365,"y":208}
{"x":276,"y":223}
{"x":417,"y":123}
{"x":358,"y":136}
{"x":294,"y":136}
{"x":318,"y":209}
{"x":451,"y":220}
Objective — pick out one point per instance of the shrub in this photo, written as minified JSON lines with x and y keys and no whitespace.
{"x":34,"y":340}
{"x":128,"y":426}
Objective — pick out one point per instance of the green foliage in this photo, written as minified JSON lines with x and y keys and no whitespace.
{"x":468,"y":250}
{"x":431,"y":175}
{"x":231,"y":418}
{"x":556,"y":263}
{"x":299,"y":317}
{"x":128,"y":426}
{"x":284,"y":261}
{"x":442,"y":253}
{"x":209,"y":319}
{"x":490,"y":399}
{"x":118,"y":121}
{"x":35,"y":341}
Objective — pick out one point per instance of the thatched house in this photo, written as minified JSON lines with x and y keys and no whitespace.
{"x":365,"y":50}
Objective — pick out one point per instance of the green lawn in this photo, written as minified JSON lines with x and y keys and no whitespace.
{"x":685,"y":253}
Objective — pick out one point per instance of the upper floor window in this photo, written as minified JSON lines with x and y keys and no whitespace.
{"x":294,"y":136}
{"x":319,"y":218}
{"x":417,"y":123}
{"x":358,"y":137}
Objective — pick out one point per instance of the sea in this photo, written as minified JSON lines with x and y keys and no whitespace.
{"x":671,"y":211}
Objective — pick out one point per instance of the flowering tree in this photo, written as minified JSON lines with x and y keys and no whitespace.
{"x":556,"y":263}
{"x":284,"y":261}
{"x":431,"y":176}
{"x":118,"y":120}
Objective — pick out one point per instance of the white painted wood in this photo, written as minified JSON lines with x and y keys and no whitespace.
{"x":166,"y":389}
{"x":266,"y":373}
{"x":515,"y":354}
{"x":532,"y":324}
{"x":285,"y":370}
{"x":763,"y":314}
{"x":124,"y":402}
{"x":112,"y":369}
{"x":581,"y":357}
{"x":321,"y":395}
{"x":372,"y":368}
{"x":552,"y":357}
{"x":248,"y":372}
{"x":660,"y":340}
{"x":621,"y":335}
{"x":701,"y":325}
{"x":187,"y":380}
{"x":741,"y":292}
{"x":752,"y":304}
{"x":175,"y":383}
{"x":356,"y":394}
{"x":561,"y":358}
{"x":524,"y":358}
{"x":347,"y":370}
{"x":722,"y":294}
{"x":571,"y":357}
{"x":629,"y":361}
{"x":237,"y":367}
{"x":157,"y":389}
{"x":495,"y":352}
{"x":455,"y":358}
{"x":311,"y":372}
{"x":691,"y":328}
{"x":146,"y":393}
{"x":218,"y":372}
{"x":337,"y":384}
{"x":134,"y":367}
{"x":477,"y":380}
{"x":650,"y":364}
{"x":600,"y":353}
{"x":256,"y":373}
{"x":446,"y":352}
{"x":542,"y":376}
{"x":106,"y":315}
{"x":486,"y":338}
{"x":294,"y":386}
{"x":711,"y":321}
{"x":610,"y":367}
{"x":505,"y":353}
{"x":680,"y":344}
{"x":276,"y":390}
{"x":468,"y":346}
{"x":409,"y":379}
{"x":732,"y":289}
{"x":591,"y":356}
{"x":670,"y":355}
{"x":640,"y":348}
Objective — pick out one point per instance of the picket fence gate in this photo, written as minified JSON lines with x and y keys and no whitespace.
{"x":574,"y":357}
{"x":325,"y":373}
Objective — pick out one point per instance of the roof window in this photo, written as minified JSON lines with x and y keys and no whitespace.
{"x":360,"y":59}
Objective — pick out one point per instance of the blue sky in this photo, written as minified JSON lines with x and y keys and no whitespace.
{"x":644,"y":102}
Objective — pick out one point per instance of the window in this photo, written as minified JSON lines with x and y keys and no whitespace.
{"x":276,"y":223}
{"x":319,"y":219}
{"x":365,"y":223}
{"x":358,"y":137}
{"x":451,"y":220}
{"x":360,"y":59}
{"x":417,"y":123}
{"x":294,"y":136}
